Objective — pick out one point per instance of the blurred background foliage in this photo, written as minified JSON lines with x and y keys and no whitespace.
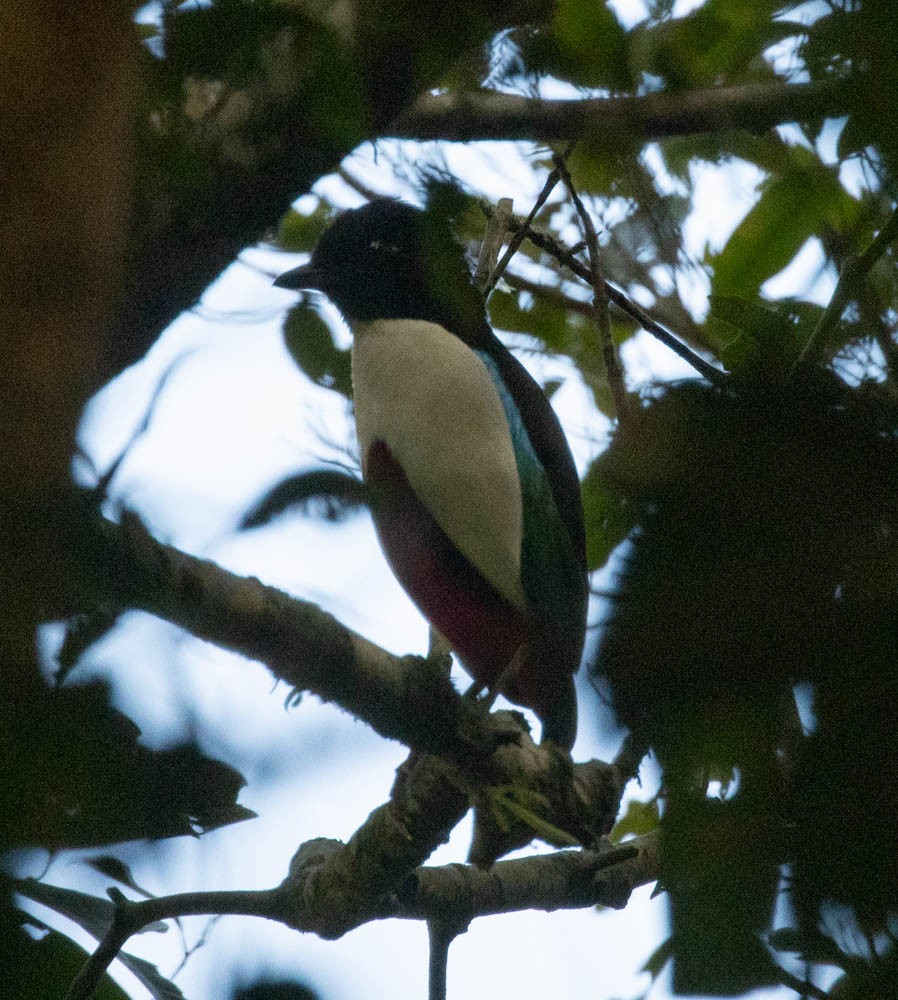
{"x":755,"y":520}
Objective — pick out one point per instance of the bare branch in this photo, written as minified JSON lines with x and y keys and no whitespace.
{"x":131,"y":916}
{"x":440,"y":934}
{"x":613,"y":371}
{"x":405,"y":698}
{"x":454,"y":893}
{"x":620,"y":121}
{"x":357,"y":184}
{"x":565,"y":880}
{"x":555,"y":248}
{"x":521,"y":233}
{"x":496,"y":227}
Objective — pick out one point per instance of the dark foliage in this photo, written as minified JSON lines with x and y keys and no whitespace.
{"x":766,"y":556}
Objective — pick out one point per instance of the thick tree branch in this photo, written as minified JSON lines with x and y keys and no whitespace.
{"x":629,"y":757}
{"x":333,"y":887}
{"x":405,"y":698}
{"x":621,"y":121}
{"x":562,"y":881}
{"x":460,"y":893}
{"x":183,"y":238}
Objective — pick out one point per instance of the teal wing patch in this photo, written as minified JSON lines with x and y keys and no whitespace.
{"x":552,"y":577}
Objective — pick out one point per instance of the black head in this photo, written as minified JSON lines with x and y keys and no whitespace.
{"x":388,"y":260}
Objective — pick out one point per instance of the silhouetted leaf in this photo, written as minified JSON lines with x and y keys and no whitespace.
{"x":766,"y":554}
{"x":655,"y":963}
{"x":311,"y":345}
{"x":115,"y":868}
{"x":74,"y":774}
{"x":279,"y":989}
{"x":338,"y":494}
{"x":42,"y":965}
{"x":816,"y":947}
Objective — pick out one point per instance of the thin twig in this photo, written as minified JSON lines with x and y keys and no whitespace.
{"x":613,"y":370}
{"x":496,"y":228}
{"x":563,"y":255}
{"x":131,"y":916}
{"x":359,"y":186}
{"x":521,"y":234}
{"x":105,"y":480}
{"x":850,"y":283}
{"x":93,"y":970}
{"x":801,"y":986}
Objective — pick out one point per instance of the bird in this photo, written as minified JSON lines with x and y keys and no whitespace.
{"x":473,"y":490}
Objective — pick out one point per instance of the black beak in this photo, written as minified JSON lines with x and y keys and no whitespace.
{"x":306,"y":276}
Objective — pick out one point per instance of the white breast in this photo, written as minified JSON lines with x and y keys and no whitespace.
{"x":431,"y":400}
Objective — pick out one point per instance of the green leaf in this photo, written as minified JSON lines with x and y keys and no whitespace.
{"x":591,"y":44}
{"x":311,"y":345}
{"x":792,"y":208}
{"x":42,"y":967}
{"x":756,"y":321}
{"x":654,"y":964}
{"x":586,"y":45}
{"x":754,"y":341}
{"x":509,"y":803}
{"x":298,"y":233}
{"x":720,"y":42}
{"x":540,"y":318}
{"x":640,"y":818}
{"x":608,"y":514}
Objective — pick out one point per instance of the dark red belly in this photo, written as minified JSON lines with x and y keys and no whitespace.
{"x":481,"y":626}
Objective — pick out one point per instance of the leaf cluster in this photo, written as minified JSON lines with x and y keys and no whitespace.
{"x":763,"y":560}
